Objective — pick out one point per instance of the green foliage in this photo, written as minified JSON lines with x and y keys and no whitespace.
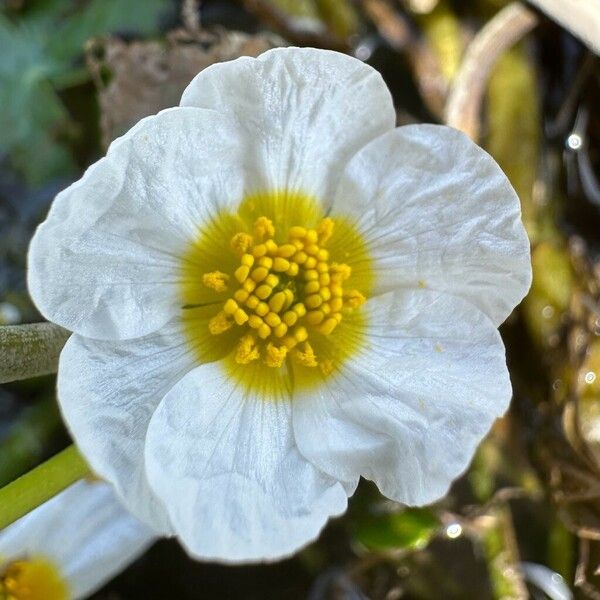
{"x":409,"y":529}
{"x":46,"y":44}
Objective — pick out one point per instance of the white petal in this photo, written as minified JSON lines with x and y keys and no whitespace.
{"x":307,"y":111}
{"x":85,"y":531}
{"x":409,"y":410}
{"x":106,"y":262}
{"x":227,"y":469}
{"x":107,"y":393}
{"x":437,"y":211}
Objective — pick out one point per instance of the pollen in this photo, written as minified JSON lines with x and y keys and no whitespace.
{"x":290,"y":297}
{"x":216,"y":280}
{"x":247,"y":351}
{"x":32,"y":579}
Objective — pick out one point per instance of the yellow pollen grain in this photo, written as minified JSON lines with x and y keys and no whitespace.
{"x":310,"y":262}
{"x":255,"y":321}
{"x":299,"y":309}
{"x":306,"y":357}
{"x":325,"y":230}
{"x":263,"y":228}
{"x":240,"y":243}
{"x":219,"y":324}
{"x":247,"y":351}
{"x":312,"y":237}
{"x":325,"y":293}
{"x":343,"y":270}
{"x":354,"y":299}
{"x":311,"y":275}
{"x":300,"y":257}
{"x":216,"y":280}
{"x":275,"y":355}
{"x":336,"y":304}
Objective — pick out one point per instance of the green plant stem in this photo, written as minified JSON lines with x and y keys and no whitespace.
{"x":30,"y":350}
{"x":41,"y":484}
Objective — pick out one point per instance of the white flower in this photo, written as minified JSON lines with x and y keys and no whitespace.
{"x":70,"y":546}
{"x":226,"y":373}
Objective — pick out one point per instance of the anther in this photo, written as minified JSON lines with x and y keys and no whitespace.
{"x":241,"y":273}
{"x":265,"y":261}
{"x":262,"y":309}
{"x":230,"y":306}
{"x":263,"y":291}
{"x":293,"y":270}
{"x":263,"y":228}
{"x":312,"y":236}
{"x":290,"y":317}
{"x":253,"y":302}
{"x":246,"y":350}
{"x":240,"y":316}
{"x":325,"y":230}
{"x":247,"y":260}
{"x":219,"y":323}
{"x":306,"y":357}
{"x":277,"y":301}
{"x":299,"y":309}
{"x":275,"y":355}
{"x":354,"y":299}
{"x":286,"y":250}
{"x":328,"y":326}
{"x":314,"y":317}
{"x":280,"y":330}
{"x":300,"y":334}
{"x":264,"y":331}
{"x":241,"y":295}
{"x":240,"y":243}
{"x":272,"y":280}
{"x":311,"y":287}
{"x":216,"y":280}
{"x":311,"y":275}
{"x":249,"y":285}
{"x":272,"y":319}
{"x":259,"y":250}
{"x":313,"y":301}
{"x":280,"y":264}
{"x":297,"y":232}
{"x":259,"y":273}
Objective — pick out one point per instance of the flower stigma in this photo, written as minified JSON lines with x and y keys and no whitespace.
{"x":34,"y":578}
{"x":280,"y":288}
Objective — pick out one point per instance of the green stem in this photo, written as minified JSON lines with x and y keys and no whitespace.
{"x":41,"y":484}
{"x":30,"y":350}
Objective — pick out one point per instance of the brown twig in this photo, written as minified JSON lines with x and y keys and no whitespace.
{"x":508,"y":26}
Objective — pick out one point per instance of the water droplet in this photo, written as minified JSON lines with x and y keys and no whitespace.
{"x":454,"y":530}
{"x":574,"y":141}
{"x":590,"y":377}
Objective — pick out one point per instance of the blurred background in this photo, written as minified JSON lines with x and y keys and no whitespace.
{"x":524,"y":521}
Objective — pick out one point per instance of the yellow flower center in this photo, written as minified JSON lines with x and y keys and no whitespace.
{"x":272,"y":288}
{"x":33,"y":579}
{"x":284,"y":292}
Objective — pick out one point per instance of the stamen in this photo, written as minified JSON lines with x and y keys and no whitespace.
{"x":275,"y":355}
{"x":220,"y":324}
{"x":247,"y":350}
{"x":216,"y":280}
{"x":240,"y":243}
{"x":306,"y":357}
{"x":285,"y":292}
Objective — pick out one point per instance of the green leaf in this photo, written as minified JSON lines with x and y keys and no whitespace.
{"x":409,"y":529}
